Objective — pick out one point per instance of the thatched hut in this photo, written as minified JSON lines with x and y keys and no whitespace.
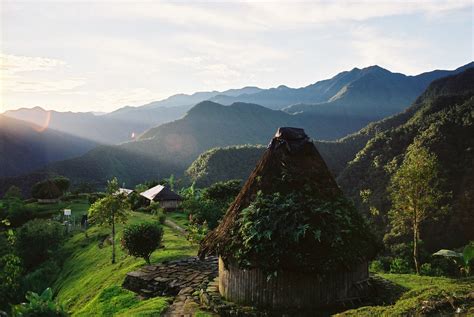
{"x":290,"y":240}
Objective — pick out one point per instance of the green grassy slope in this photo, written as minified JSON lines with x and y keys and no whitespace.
{"x":90,"y":285}
{"x":425,"y":295}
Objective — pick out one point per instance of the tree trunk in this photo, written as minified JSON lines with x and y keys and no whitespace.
{"x":415,"y":248}
{"x":113,"y":238}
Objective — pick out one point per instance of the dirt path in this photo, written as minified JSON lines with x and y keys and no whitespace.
{"x":173,"y":225}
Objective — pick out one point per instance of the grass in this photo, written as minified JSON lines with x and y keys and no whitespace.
{"x":180,"y":218}
{"x":90,"y":285}
{"x":424,"y":294}
{"x":78,"y":207}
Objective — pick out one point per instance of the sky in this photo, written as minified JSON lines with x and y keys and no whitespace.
{"x":102,"y":55}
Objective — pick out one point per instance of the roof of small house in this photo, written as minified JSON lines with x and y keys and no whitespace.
{"x":125,"y":191}
{"x":160,"y":193}
{"x":290,"y":164}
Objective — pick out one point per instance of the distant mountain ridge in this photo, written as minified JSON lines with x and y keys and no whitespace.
{"x":25,"y":147}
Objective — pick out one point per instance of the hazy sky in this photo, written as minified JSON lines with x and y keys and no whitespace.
{"x":102,"y":55}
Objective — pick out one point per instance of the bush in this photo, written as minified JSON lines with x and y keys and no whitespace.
{"x":42,"y":277}
{"x":95,"y":197}
{"x":37,"y":240}
{"x":400,"y":266}
{"x":376,"y":266}
{"x":39,"y":305}
{"x":10,"y":279}
{"x":19,"y":214}
{"x":140,"y":240}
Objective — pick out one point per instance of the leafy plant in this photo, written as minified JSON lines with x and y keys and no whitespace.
{"x":11,"y":270}
{"x":39,"y":305}
{"x":140,"y":240}
{"x":400,"y":266}
{"x":463,"y":260}
{"x":416,"y":195}
{"x":114,"y":207}
{"x":37,"y":240}
{"x":321,"y":235}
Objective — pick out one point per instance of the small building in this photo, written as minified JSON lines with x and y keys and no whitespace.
{"x":125,"y":191}
{"x":164,"y":196}
{"x":290,"y":241}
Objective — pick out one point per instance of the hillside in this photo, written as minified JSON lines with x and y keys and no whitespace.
{"x":442,"y":119}
{"x":221,"y":164}
{"x":25,"y":147}
{"x":86,"y":125}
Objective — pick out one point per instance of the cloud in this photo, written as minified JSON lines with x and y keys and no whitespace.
{"x":15,"y":64}
{"x":31,"y":74}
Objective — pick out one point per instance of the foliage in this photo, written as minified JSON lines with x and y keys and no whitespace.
{"x":322,"y":235}
{"x":87,"y":272}
{"x":223,"y":193}
{"x":39,"y":305}
{"x":415,"y":193}
{"x":11,"y":270}
{"x":464,"y":260}
{"x":442,"y":120}
{"x":423,"y":296}
{"x":63,"y":183}
{"x":13,"y":193}
{"x":47,"y":189}
{"x":93,"y":197}
{"x":113,"y":208}
{"x":42,"y":277}
{"x":376,"y":266}
{"x":140,"y":240}
{"x":222,"y":164}
{"x":38,"y":240}
{"x":400,"y":266}
{"x":197,"y":232}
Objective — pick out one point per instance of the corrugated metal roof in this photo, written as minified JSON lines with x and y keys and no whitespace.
{"x":160,"y":192}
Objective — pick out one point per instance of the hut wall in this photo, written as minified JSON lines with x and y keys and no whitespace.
{"x":291,"y":289}
{"x":169,"y":204}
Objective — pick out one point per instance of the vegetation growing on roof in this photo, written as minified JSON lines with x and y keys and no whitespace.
{"x":297,"y":230}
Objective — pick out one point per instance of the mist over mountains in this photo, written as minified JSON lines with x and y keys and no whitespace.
{"x":164,"y":137}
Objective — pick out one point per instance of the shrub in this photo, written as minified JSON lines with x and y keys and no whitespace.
{"x":376,"y":266}
{"x":10,"y":279}
{"x":39,"y":305}
{"x":140,"y":240}
{"x":37,"y":239}
{"x":95,"y":197}
{"x":47,"y":189}
{"x":42,"y":277}
{"x":400,"y":266}
{"x":19,"y":213}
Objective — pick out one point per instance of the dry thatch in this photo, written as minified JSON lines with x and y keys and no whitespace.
{"x":290,"y":164}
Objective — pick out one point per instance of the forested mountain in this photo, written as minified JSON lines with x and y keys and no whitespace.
{"x":25,"y":147}
{"x":172,"y":147}
{"x":443,"y":120}
{"x":123,"y":124}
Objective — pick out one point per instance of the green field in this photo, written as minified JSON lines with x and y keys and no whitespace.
{"x":421,"y":293}
{"x":90,"y":285}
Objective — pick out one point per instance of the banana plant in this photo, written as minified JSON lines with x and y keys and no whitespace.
{"x":463,"y":260}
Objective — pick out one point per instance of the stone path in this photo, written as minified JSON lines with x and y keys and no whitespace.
{"x":180,"y":278}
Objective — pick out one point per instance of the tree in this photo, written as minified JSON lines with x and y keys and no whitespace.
{"x":113,"y":208}
{"x":140,"y":240}
{"x":37,"y":240}
{"x":46,"y":190}
{"x":415,"y":194}
{"x":63,"y":183}
{"x":13,"y":193}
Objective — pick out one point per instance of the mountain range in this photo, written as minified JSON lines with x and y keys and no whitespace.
{"x":25,"y":147}
{"x":442,"y":118}
{"x":172,"y":146}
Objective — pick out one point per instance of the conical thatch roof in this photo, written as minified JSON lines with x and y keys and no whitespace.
{"x":287,"y":211}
